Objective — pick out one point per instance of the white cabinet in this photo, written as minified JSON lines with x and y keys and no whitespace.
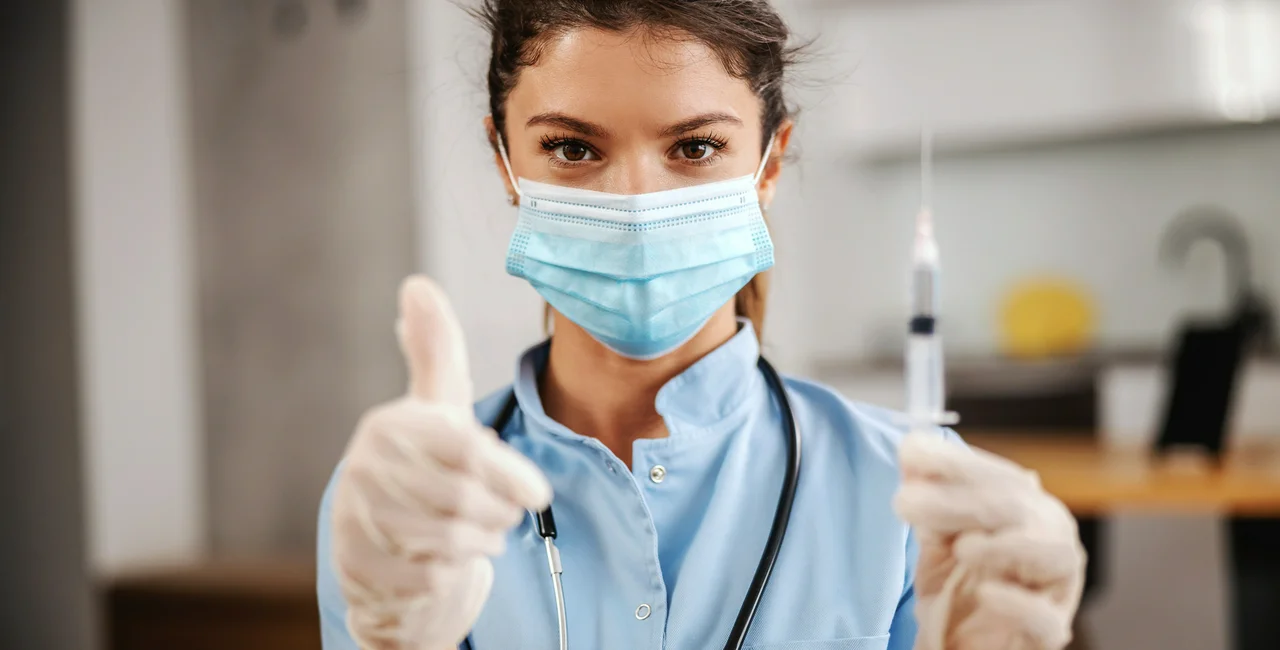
{"x":992,"y":72}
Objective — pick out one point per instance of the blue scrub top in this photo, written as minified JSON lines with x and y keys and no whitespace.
{"x":662,"y":559}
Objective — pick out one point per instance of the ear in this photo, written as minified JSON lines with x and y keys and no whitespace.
{"x":492,"y":132}
{"x":773,"y":168}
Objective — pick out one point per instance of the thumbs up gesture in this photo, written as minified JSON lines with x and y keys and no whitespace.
{"x":426,"y":495}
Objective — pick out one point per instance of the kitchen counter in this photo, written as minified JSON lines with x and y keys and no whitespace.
{"x":1093,"y":478}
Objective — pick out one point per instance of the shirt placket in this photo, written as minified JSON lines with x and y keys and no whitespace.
{"x":649,"y":589}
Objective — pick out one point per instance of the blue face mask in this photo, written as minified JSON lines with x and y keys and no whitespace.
{"x":640,"y":273}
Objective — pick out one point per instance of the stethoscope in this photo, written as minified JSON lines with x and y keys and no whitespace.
{"x":546,"y":523}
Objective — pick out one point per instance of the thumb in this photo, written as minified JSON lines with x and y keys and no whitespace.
{"x":433,"y":346}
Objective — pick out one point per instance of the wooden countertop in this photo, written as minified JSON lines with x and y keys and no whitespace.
{"x":1094,"y":479}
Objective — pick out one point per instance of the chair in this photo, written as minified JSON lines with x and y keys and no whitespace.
{"x":1204,"y":372}
{"x":1205,"y":368}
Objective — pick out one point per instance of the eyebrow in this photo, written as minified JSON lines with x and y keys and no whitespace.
{"x":596,"y":131}
{"x":698,"y":122}
{"x":570,"y":123}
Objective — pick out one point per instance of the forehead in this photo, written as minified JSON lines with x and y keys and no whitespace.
{"x":643,"y":78}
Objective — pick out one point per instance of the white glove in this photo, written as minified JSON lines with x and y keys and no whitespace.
{"x":1001,"y":565}
{"x":426,"y":495}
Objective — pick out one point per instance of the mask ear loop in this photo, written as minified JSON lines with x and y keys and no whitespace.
{"x":506,"y":164}
{"x":764,"y":162}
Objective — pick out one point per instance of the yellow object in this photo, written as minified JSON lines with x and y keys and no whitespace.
{"x":1047,"y":317}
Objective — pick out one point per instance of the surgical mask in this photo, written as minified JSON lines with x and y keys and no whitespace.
{"x":641,"y":273}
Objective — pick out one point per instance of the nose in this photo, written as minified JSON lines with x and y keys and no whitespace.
{"x":638,"y":173}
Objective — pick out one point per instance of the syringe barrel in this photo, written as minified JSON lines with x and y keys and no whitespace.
{"x":926,"y":396}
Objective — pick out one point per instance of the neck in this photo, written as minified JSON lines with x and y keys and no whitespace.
{"x":595,"y":392}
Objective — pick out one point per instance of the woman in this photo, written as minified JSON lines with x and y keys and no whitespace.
{"x":645,"y":137}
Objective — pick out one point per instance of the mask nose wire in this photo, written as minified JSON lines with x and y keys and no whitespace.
{"x":506,"y":163}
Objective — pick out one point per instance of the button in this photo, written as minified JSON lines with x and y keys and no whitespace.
{"x":642,"y":612}
{"x":657,"y":473}
{"x":610,"y":465}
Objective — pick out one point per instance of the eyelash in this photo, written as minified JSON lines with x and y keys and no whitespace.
{"x":550,"y":143}
{"x":710,"y":139}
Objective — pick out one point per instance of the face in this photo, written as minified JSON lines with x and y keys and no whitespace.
{"x":631,"y":113}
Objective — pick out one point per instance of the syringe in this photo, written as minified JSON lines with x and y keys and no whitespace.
{"x":926,"y":397}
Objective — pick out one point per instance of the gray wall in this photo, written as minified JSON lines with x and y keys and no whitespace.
{"x":304,"y":223}
{"x":45,"y":595}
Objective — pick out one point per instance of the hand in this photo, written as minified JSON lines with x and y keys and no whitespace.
{"x":426,"y":495}
{"x":1001,"y":565}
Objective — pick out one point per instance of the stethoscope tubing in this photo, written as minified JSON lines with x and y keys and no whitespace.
{"x":545,"y":522}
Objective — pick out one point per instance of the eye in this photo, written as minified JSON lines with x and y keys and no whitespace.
{"x":696,"y":150}
{"x":572,"y":151}
{"x":702,"y":150}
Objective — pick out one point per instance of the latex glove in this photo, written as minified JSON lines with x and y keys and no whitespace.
{"x":1001,"y":565}
{"x":426,"y":495}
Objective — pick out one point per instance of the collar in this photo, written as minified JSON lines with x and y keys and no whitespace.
{"x":708,"y":396}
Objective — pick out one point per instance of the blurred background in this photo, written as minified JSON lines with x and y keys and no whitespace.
{"x":206,"y":207}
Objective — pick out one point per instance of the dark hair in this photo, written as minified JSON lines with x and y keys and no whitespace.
{"x":748,"y":37}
